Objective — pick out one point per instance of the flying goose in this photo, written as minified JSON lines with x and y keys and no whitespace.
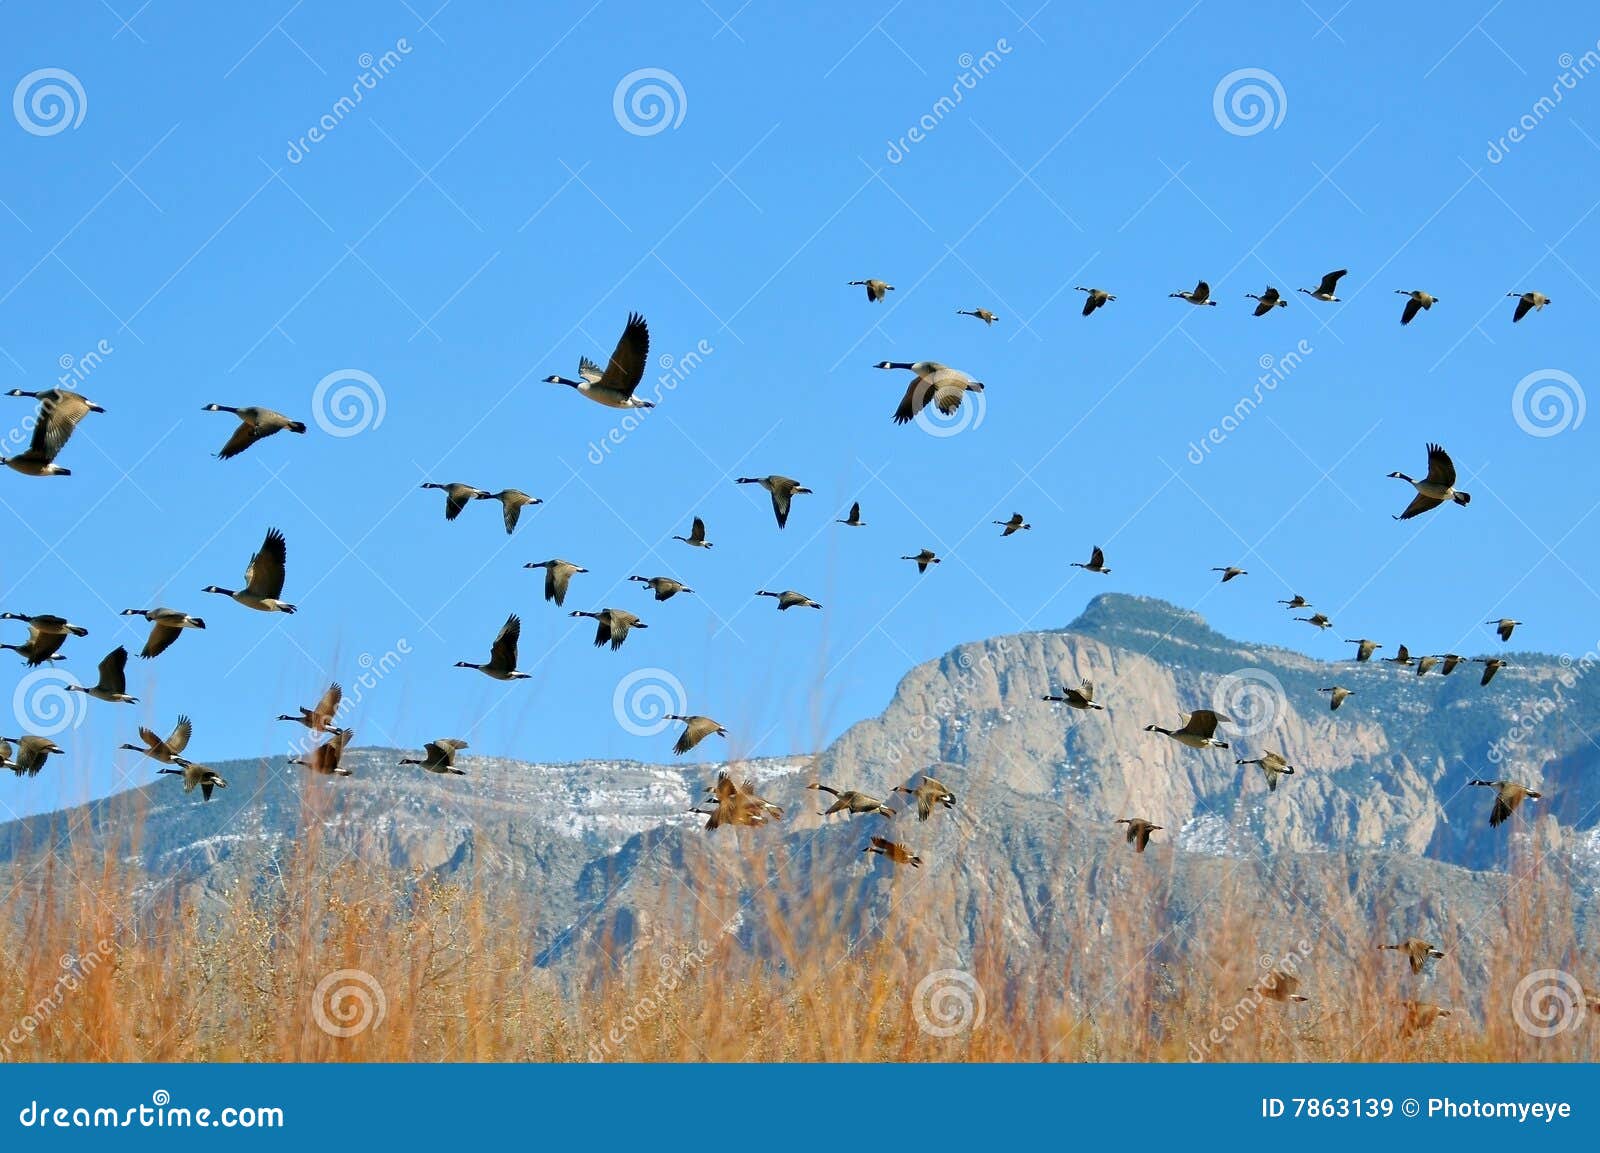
{"x":5,"y":755}
{"x":929,"y":793}
{"x":1425,"y":664}
{"x":1508,"y":795}
{"x":557,"y":575}
{"x":1491,"y":665}
{"x":502,"y":663}
{"x":1417,"y":301}
{"x":697,"y":535}
{"x":982,"y":314}
{"x":31,"y":753}
{"x":1267,"y":301}
{"x":736,"y":803}
{"x":1325,"y":290}
{"x":255,"y":423}
{"x":664,"y":587}
{"x":1336,"y":696}
{"x":325,"y":757}
{"x":1199,"y":730}
{"x":439,"y":756}
{"x":1317,"y":620}
{"x":1417,"y":951}
{"x":1526,"y":301}
{"x":1278,"y":985}
{"x":789,"y":599}
{"x":1504,"y":626}
{"x":1434,"y":489}
{"x":1081,"y":697}
{"x":1420,"y":1016}
{"x":263,"y":578}
{"x":895,"y":851}
{"x":1096,"y":299}
{"x":854,"y":519}
{"x":1272,"y":765}
{"x":783,"y":490}
{"x":1230,"y":572}
{"x":196,"y":774}
{"x":1296,"y":602}
{"x":50,"y":623}
{"x":695,"y":729}
{"x":167,"y":626}
{"x":1015,"y":524}
{"x":319,"y":718}
{"x":613,"y":626}
{"x":512,"y":501}
{"x":457,"y":496}
{"x":1451,"y":660}
{"x":1364,"y":648}
{"x":615,"y":386}
{"x":876,"y":289}
{"x":1199,"y":294}
{"x":1097,"y":562}
{"x":39,"y":647}
{"x":924,"y":558}
{"x":1139,"y":831}
{"x":58,"y":416}
{"x":165,"y":751}
{"x":1402,"y":657}
{"x":852,"y":802}
{"x":943,"y":386}
{"x":113,"y":683}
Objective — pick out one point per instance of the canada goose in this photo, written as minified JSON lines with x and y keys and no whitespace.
{"x":31,"y":753}
{"x":1296,"y":602}
{"x":1508,"y":795}
{"x":325,"y":757}
{"x":39,"y":459}
{"x":982,"y":314}
{"x":50,"y":623}
{"x":1097,"y":562}
{"x":613,"y":626}
{"x":1420,"y":1016}
{"x":1081,"y":697}
{"x":1424,"y":664}
{"x":1364,"y":648}
{"x":854,"y":519}
{"x":5,"y":755}
{"x":502,"y":663}
{"x":195,"y":774}
{"x":876,"y":289}
{"x":1230,"y":572}
{"x":929,"y":793}
{"x":1199,"y":730}
{"x":113,"y":683}
{"x":697,"y":535}
{"x":512,"y":501}
{"x":167,"y":626}
{"x":1504,"y":626}
{"x":1418,"y":301}
{"x":1096,"y":299}
{"x":1015,"y":524}
{"x":1336,"y":696}
{"x":789,"y":599}
{"x":319,"y":718}
{"x":664,"y":587}
{"x":695,"y":730}
{"x":1526,"y":301}
{"x":783,"y":490}
{"x":614,"y":387}
{"x":39,"y":647}
{"x":1139,"y":831}
{"x":58,"y":416}
{"x":1491,"y":665}
{"x":1272,"y":765}
{"x":1267,"y":301}
{"x":1317,"y":620}
{"x":852,"y":802}
{"x":165,"y":751}
{"x":263,"y":578}
{"x":895,"y":851}
{"x":557,"y":574}
{"x":924,"y":558}
{"x":1324,"y":290}
{"x":1435,"y":488}
{"x":439,"y":756}
{"x":736,"y":803}
{"x":1199,"y":294}
{"x":943,"y":386}
{"x":1451,"y":660}
{"x":457,"y":496}
{"x":1402,"y":657}
{"x":255,"y":423}
{"x":1417,"y":951}
{"x":1280,"y":986}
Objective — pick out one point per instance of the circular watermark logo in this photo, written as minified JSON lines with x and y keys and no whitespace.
{"x":1252,"y":699}
{"x":1547,"y":1002}
{"x":348,"y":1002}
{"x":44,"y":706}
{"x":643,"y":699}
{"x":48,"y":101}
{"x":1548,"y":402}
{"x":1248,"y":101}
{"x":648,"y":101}
{"x":348,"y":402}
{"x":969,"y":414}
{"x":947,"y":1002}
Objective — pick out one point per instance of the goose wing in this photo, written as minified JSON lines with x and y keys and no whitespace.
{"x":1523,"y":306}
{"x":1330,"y":282}
{"x":1441,"y":469}
{"x":589,"y":370}
{"x":243,"y":437}
{"x":556,"y":578}
{"x":1502,"y":808}
{"x":626,"y":368}
{"x":42,"y":646}
{"x":1413,"y":306}
{"x":160,"y":640}
{"x":179,"y":740}
{"x":113,"y":670}
{"x":1202,"y":723}
{"x":503,"y":653}
{"x":697,"y":531}
{"x":456,"y":498}
{"x":1419,"y":505}
{"x":918,"y":393}
{"x":329,"y":704}
{"x":59,"y":416}
{"x":264,"y":576}
{"x":1097,"y":559}
{"x":511,"y":506}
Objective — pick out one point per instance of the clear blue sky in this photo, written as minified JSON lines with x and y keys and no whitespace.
{"x":481,"y":219}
